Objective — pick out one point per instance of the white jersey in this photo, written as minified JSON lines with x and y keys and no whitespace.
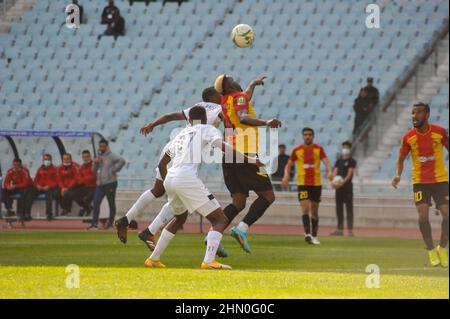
{"x":213,"y":112}
{"x":187,"y":147}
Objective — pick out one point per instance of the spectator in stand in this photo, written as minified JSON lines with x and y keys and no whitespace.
{"x":114,"y":21}
{"x":282,"y":160}
{"x":87,"y":184}
{"x":362,"y":109}
{"x":110,"y":13}
{"x":46,"y":182}
{"x":68,"y":183}
{"x":18,"y":181}
{"x":372,"y":93}
{"x":106,"y":166}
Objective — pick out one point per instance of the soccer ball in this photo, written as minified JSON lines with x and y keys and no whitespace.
{"x":337,"y":180}
{"x":242,"y":36}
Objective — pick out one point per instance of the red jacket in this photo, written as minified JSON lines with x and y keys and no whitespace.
{"x":68,"y":176}
{"x":20,"y":179}
{"x":86,"y":176}
{"x":46,"y":177}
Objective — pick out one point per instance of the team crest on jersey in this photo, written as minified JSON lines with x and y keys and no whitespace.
{"x":241,"y":101}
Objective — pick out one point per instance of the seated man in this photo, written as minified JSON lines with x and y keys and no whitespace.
{"x":18,"y":181}
{"x":67,"y":183}
{"x":46,"y":182}
{"x":110,"y":13}
{"x":87,"y":183}
{"x":115,"y":28}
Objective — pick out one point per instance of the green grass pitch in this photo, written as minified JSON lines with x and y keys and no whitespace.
{"x":33,"y":265}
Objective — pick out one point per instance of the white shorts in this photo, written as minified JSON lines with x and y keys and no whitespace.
{"x":189,"y":194}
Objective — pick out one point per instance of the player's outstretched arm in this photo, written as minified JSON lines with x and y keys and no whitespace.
{"x":398,"y":171}
{"x":256,"y":82}
{"x":247,"y":119}
{"x":169,"y":117}
{"x":228,"y":149}
{"x":287,"y":170}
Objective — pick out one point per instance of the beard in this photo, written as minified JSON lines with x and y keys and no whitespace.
{"x":418,"y":124}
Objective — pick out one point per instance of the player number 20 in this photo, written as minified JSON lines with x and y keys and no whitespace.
{"x":303,"y":195}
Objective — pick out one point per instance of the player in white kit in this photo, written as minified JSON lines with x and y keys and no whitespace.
{"x":186,"y":192}
{"x":211,"y":103}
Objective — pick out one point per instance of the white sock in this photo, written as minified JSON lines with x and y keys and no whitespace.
{"x":163,"y":242}
{"x":164,"y":216}
{"x":212,"y":244}
{"x":146,"y":198}
{"x":243,"y":227}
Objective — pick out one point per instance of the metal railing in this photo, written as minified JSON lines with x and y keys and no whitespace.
{"x":5,"y":5}
{"x":368,"y":136}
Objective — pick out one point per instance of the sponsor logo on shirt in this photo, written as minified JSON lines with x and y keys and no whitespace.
{"x":309,"y":165}
{"x":424,"y":159}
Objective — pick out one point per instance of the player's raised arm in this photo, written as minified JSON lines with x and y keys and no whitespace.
{"x":251,"y":88}
{"x":166,"y":118}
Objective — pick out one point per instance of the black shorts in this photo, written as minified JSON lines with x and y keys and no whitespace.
{"x":243,"y":178}
{"x":312,"y":193}
{"x":424,"y":192}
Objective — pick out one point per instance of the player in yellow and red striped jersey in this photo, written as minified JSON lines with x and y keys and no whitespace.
{"x":426,"y":144}
{"x":240,"y":178}
{"x":308,"y":156}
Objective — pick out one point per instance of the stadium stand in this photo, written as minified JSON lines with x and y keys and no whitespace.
{"x":54,"y":78}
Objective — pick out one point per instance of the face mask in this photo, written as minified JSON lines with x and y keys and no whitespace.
{"x":345,"y":151}
{"x":67,"y":164}
{"x":47,"y":163}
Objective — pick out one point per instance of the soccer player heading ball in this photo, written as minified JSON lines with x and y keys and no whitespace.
{"x":240,"y":178}
{"x":425,"y":142}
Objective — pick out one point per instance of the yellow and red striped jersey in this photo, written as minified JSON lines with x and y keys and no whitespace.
{"x":427,"y":154}
{"x":245,"y":137}
{"x":308,"y":160}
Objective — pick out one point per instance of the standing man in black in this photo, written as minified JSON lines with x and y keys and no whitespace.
{"x":372,"y":93}
{"x":362,"y":108}
{"x":282,"y":160}
{"x":344,"y":167}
